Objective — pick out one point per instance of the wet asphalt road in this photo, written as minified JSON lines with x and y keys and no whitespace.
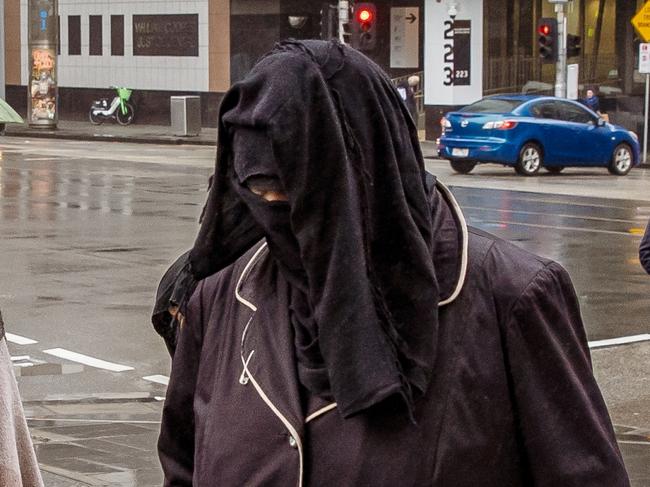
{"x":87,"y":231}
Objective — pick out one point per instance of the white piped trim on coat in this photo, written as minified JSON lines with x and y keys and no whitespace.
{"x":465,"y":243}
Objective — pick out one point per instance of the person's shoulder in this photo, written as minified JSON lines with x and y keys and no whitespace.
{"x":507,"y":268}
{"x":227,"y":278}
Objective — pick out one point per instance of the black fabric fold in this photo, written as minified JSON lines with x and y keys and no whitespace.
{"x":357,"y":220}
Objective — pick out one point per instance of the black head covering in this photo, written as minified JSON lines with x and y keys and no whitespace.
{"x":354,"y":239}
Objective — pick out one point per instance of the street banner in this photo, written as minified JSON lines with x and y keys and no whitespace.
{"x":42,"y":87}
{"x":453,"y":53}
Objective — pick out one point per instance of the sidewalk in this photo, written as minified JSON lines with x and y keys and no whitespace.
{"x":112,"y":442}
{"x":112,"y":132}
{"x":102,"y":442}
{"x":140,"y":134}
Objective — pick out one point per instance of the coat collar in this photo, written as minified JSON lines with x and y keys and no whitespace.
{"x":267,"y":348}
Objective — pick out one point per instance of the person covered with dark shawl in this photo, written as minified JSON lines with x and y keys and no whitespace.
{"x":346,"y":327}
{"x":18,"y":465}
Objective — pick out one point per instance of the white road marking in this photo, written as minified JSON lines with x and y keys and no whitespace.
{"x":17,"y":339}
{"x":84,"y":420}
{"x":554,"y":227}
{"x":19,"y":357}
{"x":620,"y":341}
{"x":24,"y":364}
{"x":158,"y":379}
{"x":86,"y":360}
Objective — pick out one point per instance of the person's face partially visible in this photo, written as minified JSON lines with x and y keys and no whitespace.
{"x":269,"y":195}
{"x":590,"y":93}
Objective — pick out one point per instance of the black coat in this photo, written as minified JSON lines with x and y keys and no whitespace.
{"x":644,"y":250}
{"x":513,"y":401}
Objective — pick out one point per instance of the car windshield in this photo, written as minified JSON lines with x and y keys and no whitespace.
{"x":493,"y":105}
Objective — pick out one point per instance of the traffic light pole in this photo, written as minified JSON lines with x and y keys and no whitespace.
{"x":2,"y":49}
{"x":344,"y":18}
{"x":561,"y":67}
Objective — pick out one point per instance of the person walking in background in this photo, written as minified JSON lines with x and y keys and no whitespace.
{"x":346,"y":327}
{"x":644,"y":249}
{"x":18,"y":465}
{"x":591,"y":101}
{"x":406,"y":89}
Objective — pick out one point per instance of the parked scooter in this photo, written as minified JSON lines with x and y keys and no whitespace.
{"x":119,"y":109}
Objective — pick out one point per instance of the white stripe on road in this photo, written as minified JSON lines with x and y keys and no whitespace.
{"x":19,"y":357}
{"x":620,"y":341}
{"x":555,"y":227}
{"x":158,"y":379}
{"x":86,"y":360}
{"x":17,"y":339}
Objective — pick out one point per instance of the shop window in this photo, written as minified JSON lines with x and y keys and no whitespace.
{"x":95,"y":37}
{"x":74,"y":35}
{"x":117,"y":35}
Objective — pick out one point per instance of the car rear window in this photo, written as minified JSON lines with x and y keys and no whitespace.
{"x":492,"y":105}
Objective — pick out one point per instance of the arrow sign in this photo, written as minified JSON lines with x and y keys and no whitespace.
{"x":412,"y":18}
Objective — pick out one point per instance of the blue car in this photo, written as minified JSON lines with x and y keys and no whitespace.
{"x":529,"y":132}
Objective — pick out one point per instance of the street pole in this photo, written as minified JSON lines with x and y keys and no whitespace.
{"x":2,"y":50}
{"x":344,"y":18}
{"x":645,"y":125}
{"x":561,"y":69}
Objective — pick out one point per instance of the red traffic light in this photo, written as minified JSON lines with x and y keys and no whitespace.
{"x":544,"y":29}
{"x":364,"y":15}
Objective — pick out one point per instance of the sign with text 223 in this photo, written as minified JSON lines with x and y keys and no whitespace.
{"x":453,"y":52}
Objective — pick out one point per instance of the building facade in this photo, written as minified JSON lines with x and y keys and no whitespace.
{"x":162,"y":48}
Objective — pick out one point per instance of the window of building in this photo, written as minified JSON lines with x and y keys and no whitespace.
{"x":117,"y":35}
{"x":95,"y":37}
{"x":74,"y":35}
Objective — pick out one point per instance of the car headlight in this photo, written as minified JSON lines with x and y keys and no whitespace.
{"x":634,"y":135}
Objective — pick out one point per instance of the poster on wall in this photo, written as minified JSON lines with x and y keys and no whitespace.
{"x":453,"y":55}
{"x":42,"y":84}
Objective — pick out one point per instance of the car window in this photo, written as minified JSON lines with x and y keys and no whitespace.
{"x":544,"y":109}
{"x":573,"y":113}
{"x":492,"y":105}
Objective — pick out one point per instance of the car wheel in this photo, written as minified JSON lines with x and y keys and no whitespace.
{"x":621,"y":162}
{"x":530,"y":159}
{"x":554,"y":169}
{"x":463,"y":167}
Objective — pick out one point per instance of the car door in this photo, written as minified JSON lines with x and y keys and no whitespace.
{"x":556,"y":145}
{"x":589,"y":142}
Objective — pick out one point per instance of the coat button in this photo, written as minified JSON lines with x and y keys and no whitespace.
{"x":292,"y":442}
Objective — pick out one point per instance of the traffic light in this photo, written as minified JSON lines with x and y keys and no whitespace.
{"x":364,"y":27}
{"x":547,"y":39}
{"x":573,"y":45}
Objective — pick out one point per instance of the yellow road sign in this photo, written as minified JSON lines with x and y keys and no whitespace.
{"x":641,"y":22}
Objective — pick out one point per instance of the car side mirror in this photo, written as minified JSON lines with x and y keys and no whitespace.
{"x":601,"y":122}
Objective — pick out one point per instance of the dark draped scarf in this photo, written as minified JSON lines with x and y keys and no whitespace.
{"x":354,"y":239}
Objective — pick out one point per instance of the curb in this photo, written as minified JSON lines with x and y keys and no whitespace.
{"x":95,"y":399}
{"x":109,"y":138}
